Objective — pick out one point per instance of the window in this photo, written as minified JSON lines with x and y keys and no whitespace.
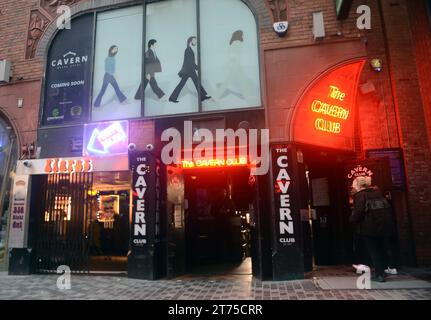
{"x":166,"y":58}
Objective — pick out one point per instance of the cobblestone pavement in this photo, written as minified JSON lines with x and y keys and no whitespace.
{"x":91,"y":287}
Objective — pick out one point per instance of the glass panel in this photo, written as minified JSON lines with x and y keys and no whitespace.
{"x":229,"y":51}
{"x":171,"y":58}
{"x":8,"y":158}
{"x":68,"y":74}
{"x":117,"y":68}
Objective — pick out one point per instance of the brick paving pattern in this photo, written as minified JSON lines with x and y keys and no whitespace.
{"x":91,"y":287}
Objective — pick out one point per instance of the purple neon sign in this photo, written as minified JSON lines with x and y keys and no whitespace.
{"x":107,"y":138}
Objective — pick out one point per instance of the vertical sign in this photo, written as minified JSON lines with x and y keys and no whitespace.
{"x":288,"y":257}
{"x":141,"y":173}
{"x":142,"y":258}
{"x":68,"y":74}
{"x":19,"y":212}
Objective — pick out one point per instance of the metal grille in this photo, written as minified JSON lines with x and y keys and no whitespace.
{"x":63,"y":220}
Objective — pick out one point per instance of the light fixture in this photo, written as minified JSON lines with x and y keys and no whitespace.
{"x":376,"y":64}
{"x":20,"y":102}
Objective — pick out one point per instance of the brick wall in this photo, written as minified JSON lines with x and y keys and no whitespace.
{"x":413,"y":129}
{"x":421,"y":32}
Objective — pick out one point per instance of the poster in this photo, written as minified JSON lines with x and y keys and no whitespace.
{"x":117,"y":65}
{"x":320,"y":189}
{"x":230,"y":55}
{"x":171,"y":58}
{"x":18,"y":227}
{"x":68,"y":74}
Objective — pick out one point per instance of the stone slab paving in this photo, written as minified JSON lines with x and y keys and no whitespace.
{"x":91,"y":287}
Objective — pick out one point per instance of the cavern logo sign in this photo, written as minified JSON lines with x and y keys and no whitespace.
{"x":70,"y":59}
{"x":282,"y":196}
{"x":139,"y":228}
{"x":359,"y":171}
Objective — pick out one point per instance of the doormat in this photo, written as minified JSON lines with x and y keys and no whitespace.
{"x":350,"y":283}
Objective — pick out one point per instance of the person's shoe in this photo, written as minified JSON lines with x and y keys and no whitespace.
{"x":172,"y":100}
{"x":378,"y":279}
{"x":391,"y":271}
{"x":163,"y":99}
{"x":205,"y":98}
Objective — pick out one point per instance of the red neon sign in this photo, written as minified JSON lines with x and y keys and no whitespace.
{"x":325,"y":114}
{"x":214,"y":163}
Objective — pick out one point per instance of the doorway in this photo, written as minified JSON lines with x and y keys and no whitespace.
{"x":218,"y":218}
{"x":82,"y":221}
{"x":328,"y":235}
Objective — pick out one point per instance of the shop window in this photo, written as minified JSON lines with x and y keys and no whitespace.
{"x":171,"y":58}
{"x":153,"y":60}
{"x":229,"y":50}
{"x":118,"y":58}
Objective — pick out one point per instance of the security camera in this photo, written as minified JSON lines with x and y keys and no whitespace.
{"x":132,"y":147}
{"x":281,"y":28}
{"x":149,"y":147}
{"x":27,"y":163}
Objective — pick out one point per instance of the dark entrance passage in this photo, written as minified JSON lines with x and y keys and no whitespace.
{"x":82,"y":221}
{"x":328,"y":235}
{"x":217,"y":221}
{"x":327,"y":175}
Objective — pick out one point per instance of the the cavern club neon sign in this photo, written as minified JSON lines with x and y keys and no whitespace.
{"x":59,"y":165}
{"x":102,"y":140}
{"x":214,"y":163}
{"x":331,"y":109}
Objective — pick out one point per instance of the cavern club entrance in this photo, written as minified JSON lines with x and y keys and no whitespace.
{"x":325,"y":179}
{"x":82,"y":221}
{"x":195,"y":221}
{"x":218,"y":220}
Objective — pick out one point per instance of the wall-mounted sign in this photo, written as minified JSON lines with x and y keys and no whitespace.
{"x":19,"y":212}
{"x":59,"y":165}
{"x":72,"y":165}
{"x":396,"y":162}
{"x":325,"y":114}
{"x":288,"y":258}
{"x":68,"y":74}
{"x":106,"y":138}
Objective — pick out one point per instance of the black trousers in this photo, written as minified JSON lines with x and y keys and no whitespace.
{"x":180,"y":86}
{"x":379,"y":250}
{"x":154,"y":86}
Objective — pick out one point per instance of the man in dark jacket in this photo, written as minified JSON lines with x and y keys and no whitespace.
{"x":374,"y":221}
{"x":152,"y":66}
{"x":188,"y":70}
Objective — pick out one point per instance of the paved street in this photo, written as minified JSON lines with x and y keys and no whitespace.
{"x":241,"y":287}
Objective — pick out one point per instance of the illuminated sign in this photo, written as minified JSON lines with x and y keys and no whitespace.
{"x":59,"y":165}
{"x":325,"y":114}
{"x":359,"y":171}
{"x":107,"y":138}
{"x":214,"y":163}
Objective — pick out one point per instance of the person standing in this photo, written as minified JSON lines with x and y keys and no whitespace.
{"x":109,"y":77}
{"x":188,"y":70}
{"x":152,"y":66}
{"x":373,"y":218}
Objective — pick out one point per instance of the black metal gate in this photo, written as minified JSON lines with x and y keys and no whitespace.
{"x":63,"y":222}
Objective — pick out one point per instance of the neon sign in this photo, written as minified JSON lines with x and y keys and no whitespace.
{"x":325,"y":114}
{"x":106,"y":138}
{"x":59,"y":165}
{"x":213,"y":163}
